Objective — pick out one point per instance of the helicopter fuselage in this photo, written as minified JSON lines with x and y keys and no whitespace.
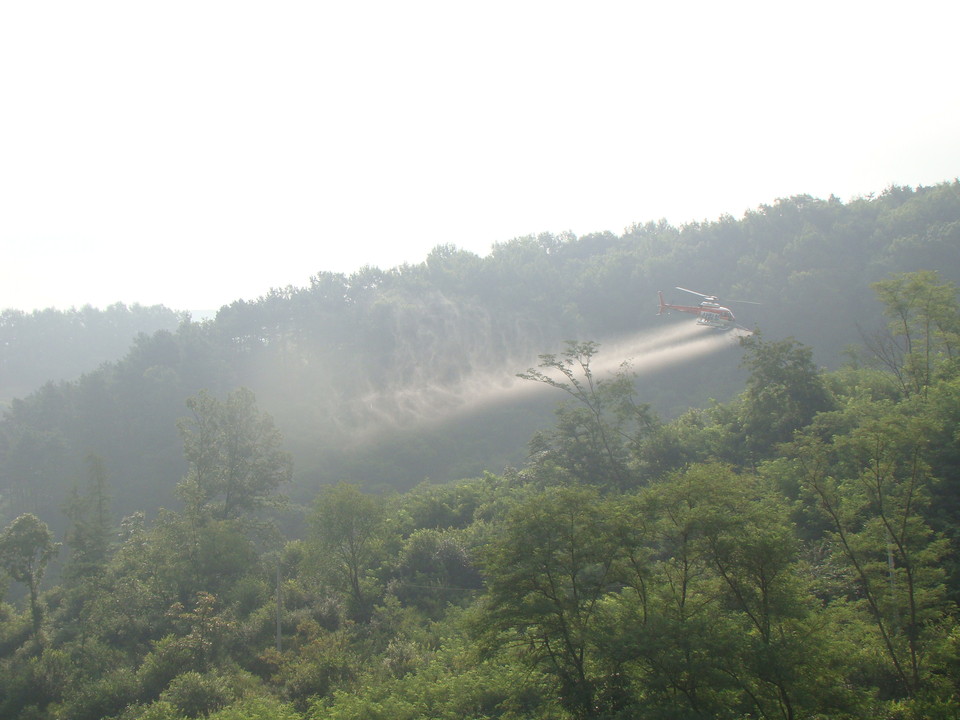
{"x":709,"y":313}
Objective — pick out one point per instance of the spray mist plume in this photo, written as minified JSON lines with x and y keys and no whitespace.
{"x":640,"y":353}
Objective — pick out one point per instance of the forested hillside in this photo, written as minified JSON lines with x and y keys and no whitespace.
{"x":388,"y":377}
{"x":594,"y":540}
{"x":790,"y":553}
{"x":53,"y":345}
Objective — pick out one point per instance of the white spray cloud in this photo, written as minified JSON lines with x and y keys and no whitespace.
{"x":641,"y":353}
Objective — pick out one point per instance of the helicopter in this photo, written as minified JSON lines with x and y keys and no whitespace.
{"x":709,"y":312}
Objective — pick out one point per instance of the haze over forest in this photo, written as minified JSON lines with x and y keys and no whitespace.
{"x":390,"y":355}
{"x":427,"y":486}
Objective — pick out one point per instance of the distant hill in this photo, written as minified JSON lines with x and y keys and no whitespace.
{"x":385,"y":377}
{"x":55,"y":345}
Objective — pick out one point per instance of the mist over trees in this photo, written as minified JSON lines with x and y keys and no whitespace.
{"x":370,"y":376}
{"x":339,"y":501}
{"x":791,"y":552}
{"x":60,"y":345}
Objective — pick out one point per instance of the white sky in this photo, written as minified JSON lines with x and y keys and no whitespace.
{"x":195,"y":153}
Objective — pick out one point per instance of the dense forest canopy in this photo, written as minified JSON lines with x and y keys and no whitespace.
{"x":791,"y":553}
{"x":788,"y":550}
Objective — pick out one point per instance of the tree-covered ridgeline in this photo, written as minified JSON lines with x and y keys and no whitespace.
{"x":60,"y":345}
{"x":734,"y":562}
{"x":367,"y":375}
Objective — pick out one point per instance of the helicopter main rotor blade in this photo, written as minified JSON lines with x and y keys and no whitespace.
{"x":693,"y":292}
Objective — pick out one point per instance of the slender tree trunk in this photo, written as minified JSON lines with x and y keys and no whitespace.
{"x":36,"y":610}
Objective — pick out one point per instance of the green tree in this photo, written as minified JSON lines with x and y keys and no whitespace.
{"x":235,"y":456}
{"x":434,"y":569}
{"x":718,"y":620}
{"x":674,"y":636}
{"x":89,"y":539}
{"x":26,"y":546}
{"x":89,"y":534}
{"x":752,"y":547}
{"x":346,"y":529}
{"x":872,"y":484}
{"x":923,"y":332}
{"x":554,"y":559}
{"x":596,"y":437}
{"x":785,"y":390}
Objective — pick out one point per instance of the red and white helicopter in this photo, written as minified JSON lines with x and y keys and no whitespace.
{"x":709,"y":312}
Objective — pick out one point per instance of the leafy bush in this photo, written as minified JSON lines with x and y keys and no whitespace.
{"x":262,"y":708}
{"x":104,"y":697}
{"x":195,"y":694}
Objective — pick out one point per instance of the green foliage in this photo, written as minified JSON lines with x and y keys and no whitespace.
{"x":436,"y":568}
{"x":370,"y":354}
{"x":235,"y":456}
{"x":260,"y":708}
{"x":784,"y":392}
{"x":790,"y":553}
{"x":193,"y":694}
{"x":923,"y":334}
{"x":102,"y":696}
{"x":90,"y":533}
{"x":872,"y":486}
{"x":26,"y":547}
{"x":321,"y":663}
{"x":346,"y":528}
{"x":168,"y":658}
{"x":438,"y":507}
{"x":596,"y":437}
{"x":36,"y":680}
{"x":58,"y":345}
{"x":453,"y":683}
{"x":159,"y":710}
{"x":552,"y":561}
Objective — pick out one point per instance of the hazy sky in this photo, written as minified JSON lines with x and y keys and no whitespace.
{"x":195,"y":153}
